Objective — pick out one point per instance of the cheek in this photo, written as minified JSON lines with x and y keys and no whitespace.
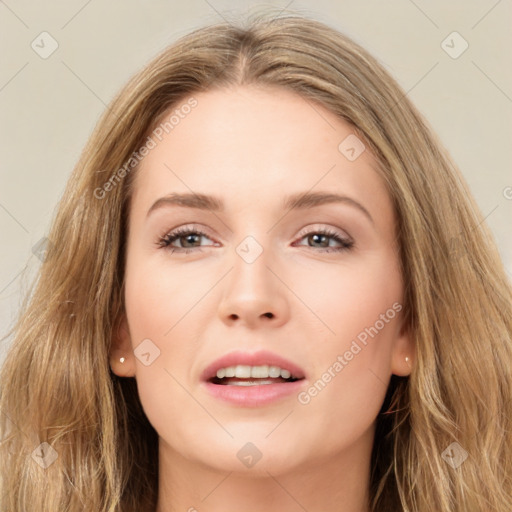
{"x":351,"y":362}
{"x":345,"y":301}
{"x":158,"y":296}
{"x":162,"y":306}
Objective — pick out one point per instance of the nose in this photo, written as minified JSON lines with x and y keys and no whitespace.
{"x":254,"y":294}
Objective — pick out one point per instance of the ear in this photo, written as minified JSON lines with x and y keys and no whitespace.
{"x":404,"y":353}
{"x":122,"y":359}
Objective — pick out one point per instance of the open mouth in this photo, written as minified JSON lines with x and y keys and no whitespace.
{"x":252,"y":379}
{"x":244,"y":375}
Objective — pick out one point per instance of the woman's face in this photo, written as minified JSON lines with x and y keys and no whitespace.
{"x":268,"y":269}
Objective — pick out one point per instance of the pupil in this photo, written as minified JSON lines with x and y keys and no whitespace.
{"x":189,"y":239}
{"x":317,"y":236}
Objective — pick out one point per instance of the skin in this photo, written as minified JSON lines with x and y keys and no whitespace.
{"x":251,"y":147}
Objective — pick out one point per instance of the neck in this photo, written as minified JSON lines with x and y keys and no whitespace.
{"x":335,"y":483}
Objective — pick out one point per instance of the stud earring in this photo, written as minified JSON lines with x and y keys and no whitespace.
{"x":407,"y":359}
{"x":122,"y":359}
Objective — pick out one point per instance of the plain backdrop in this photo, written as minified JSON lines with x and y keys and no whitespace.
{"x":49,"y":104}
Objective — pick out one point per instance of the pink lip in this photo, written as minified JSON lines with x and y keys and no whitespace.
{"x":259,"y":358}
{"x":252,"y":396}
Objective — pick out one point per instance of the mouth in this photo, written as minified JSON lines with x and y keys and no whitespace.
{"x":252,"y":369}
{"x":246,"y":375}
{"x":256,"y":379}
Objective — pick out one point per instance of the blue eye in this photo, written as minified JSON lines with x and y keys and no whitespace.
{"x":323,"y":235}
{"x":184,"y":233}
{"x":187,"y":237}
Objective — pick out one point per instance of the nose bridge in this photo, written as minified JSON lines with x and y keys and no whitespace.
{"x":252,"y":292}
{"x":251,"y":265}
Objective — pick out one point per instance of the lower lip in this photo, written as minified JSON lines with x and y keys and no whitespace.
{"x":253,"y":396}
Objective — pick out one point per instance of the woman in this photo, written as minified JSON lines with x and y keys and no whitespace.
{"x":341,"y":340}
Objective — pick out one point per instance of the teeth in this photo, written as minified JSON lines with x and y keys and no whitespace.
{"x":242,"y":372}
{"x":285,"y":374}
{"x":258,"y":382}
{"x":259,"y":372}
{"x":256,"y":372}
{"x":274,"y":371}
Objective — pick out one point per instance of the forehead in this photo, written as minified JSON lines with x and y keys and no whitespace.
{"x":256,"y":143}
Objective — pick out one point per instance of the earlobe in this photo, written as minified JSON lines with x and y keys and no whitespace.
{"x":122,"y":359}
{"x":402,"y":366}
{"x":403,"y":354}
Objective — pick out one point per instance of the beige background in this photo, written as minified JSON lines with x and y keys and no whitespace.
{"x":48,"y":107}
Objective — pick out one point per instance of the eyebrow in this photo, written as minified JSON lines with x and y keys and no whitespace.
{"x":300,"y":201}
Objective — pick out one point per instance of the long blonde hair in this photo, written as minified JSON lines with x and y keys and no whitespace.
{"x":56,"y":384}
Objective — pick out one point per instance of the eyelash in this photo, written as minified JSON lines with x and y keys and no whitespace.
{"x":166,"y":240}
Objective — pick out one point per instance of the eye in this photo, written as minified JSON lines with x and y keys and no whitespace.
{"x":322,"y":236}
{"x":188,"y":239}
{"x":186,"y":236}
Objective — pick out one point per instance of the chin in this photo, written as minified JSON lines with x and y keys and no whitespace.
{"x":249,"y":452}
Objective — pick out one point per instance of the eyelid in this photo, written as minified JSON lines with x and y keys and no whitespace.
{"x":304,"y":231}
{"x":189,"y":227}
{"x":185,"y":229}
{"x":324,"y":227}
{"x":338,"y":235}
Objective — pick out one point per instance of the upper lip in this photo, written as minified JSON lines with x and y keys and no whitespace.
{"x":262,"y":357}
